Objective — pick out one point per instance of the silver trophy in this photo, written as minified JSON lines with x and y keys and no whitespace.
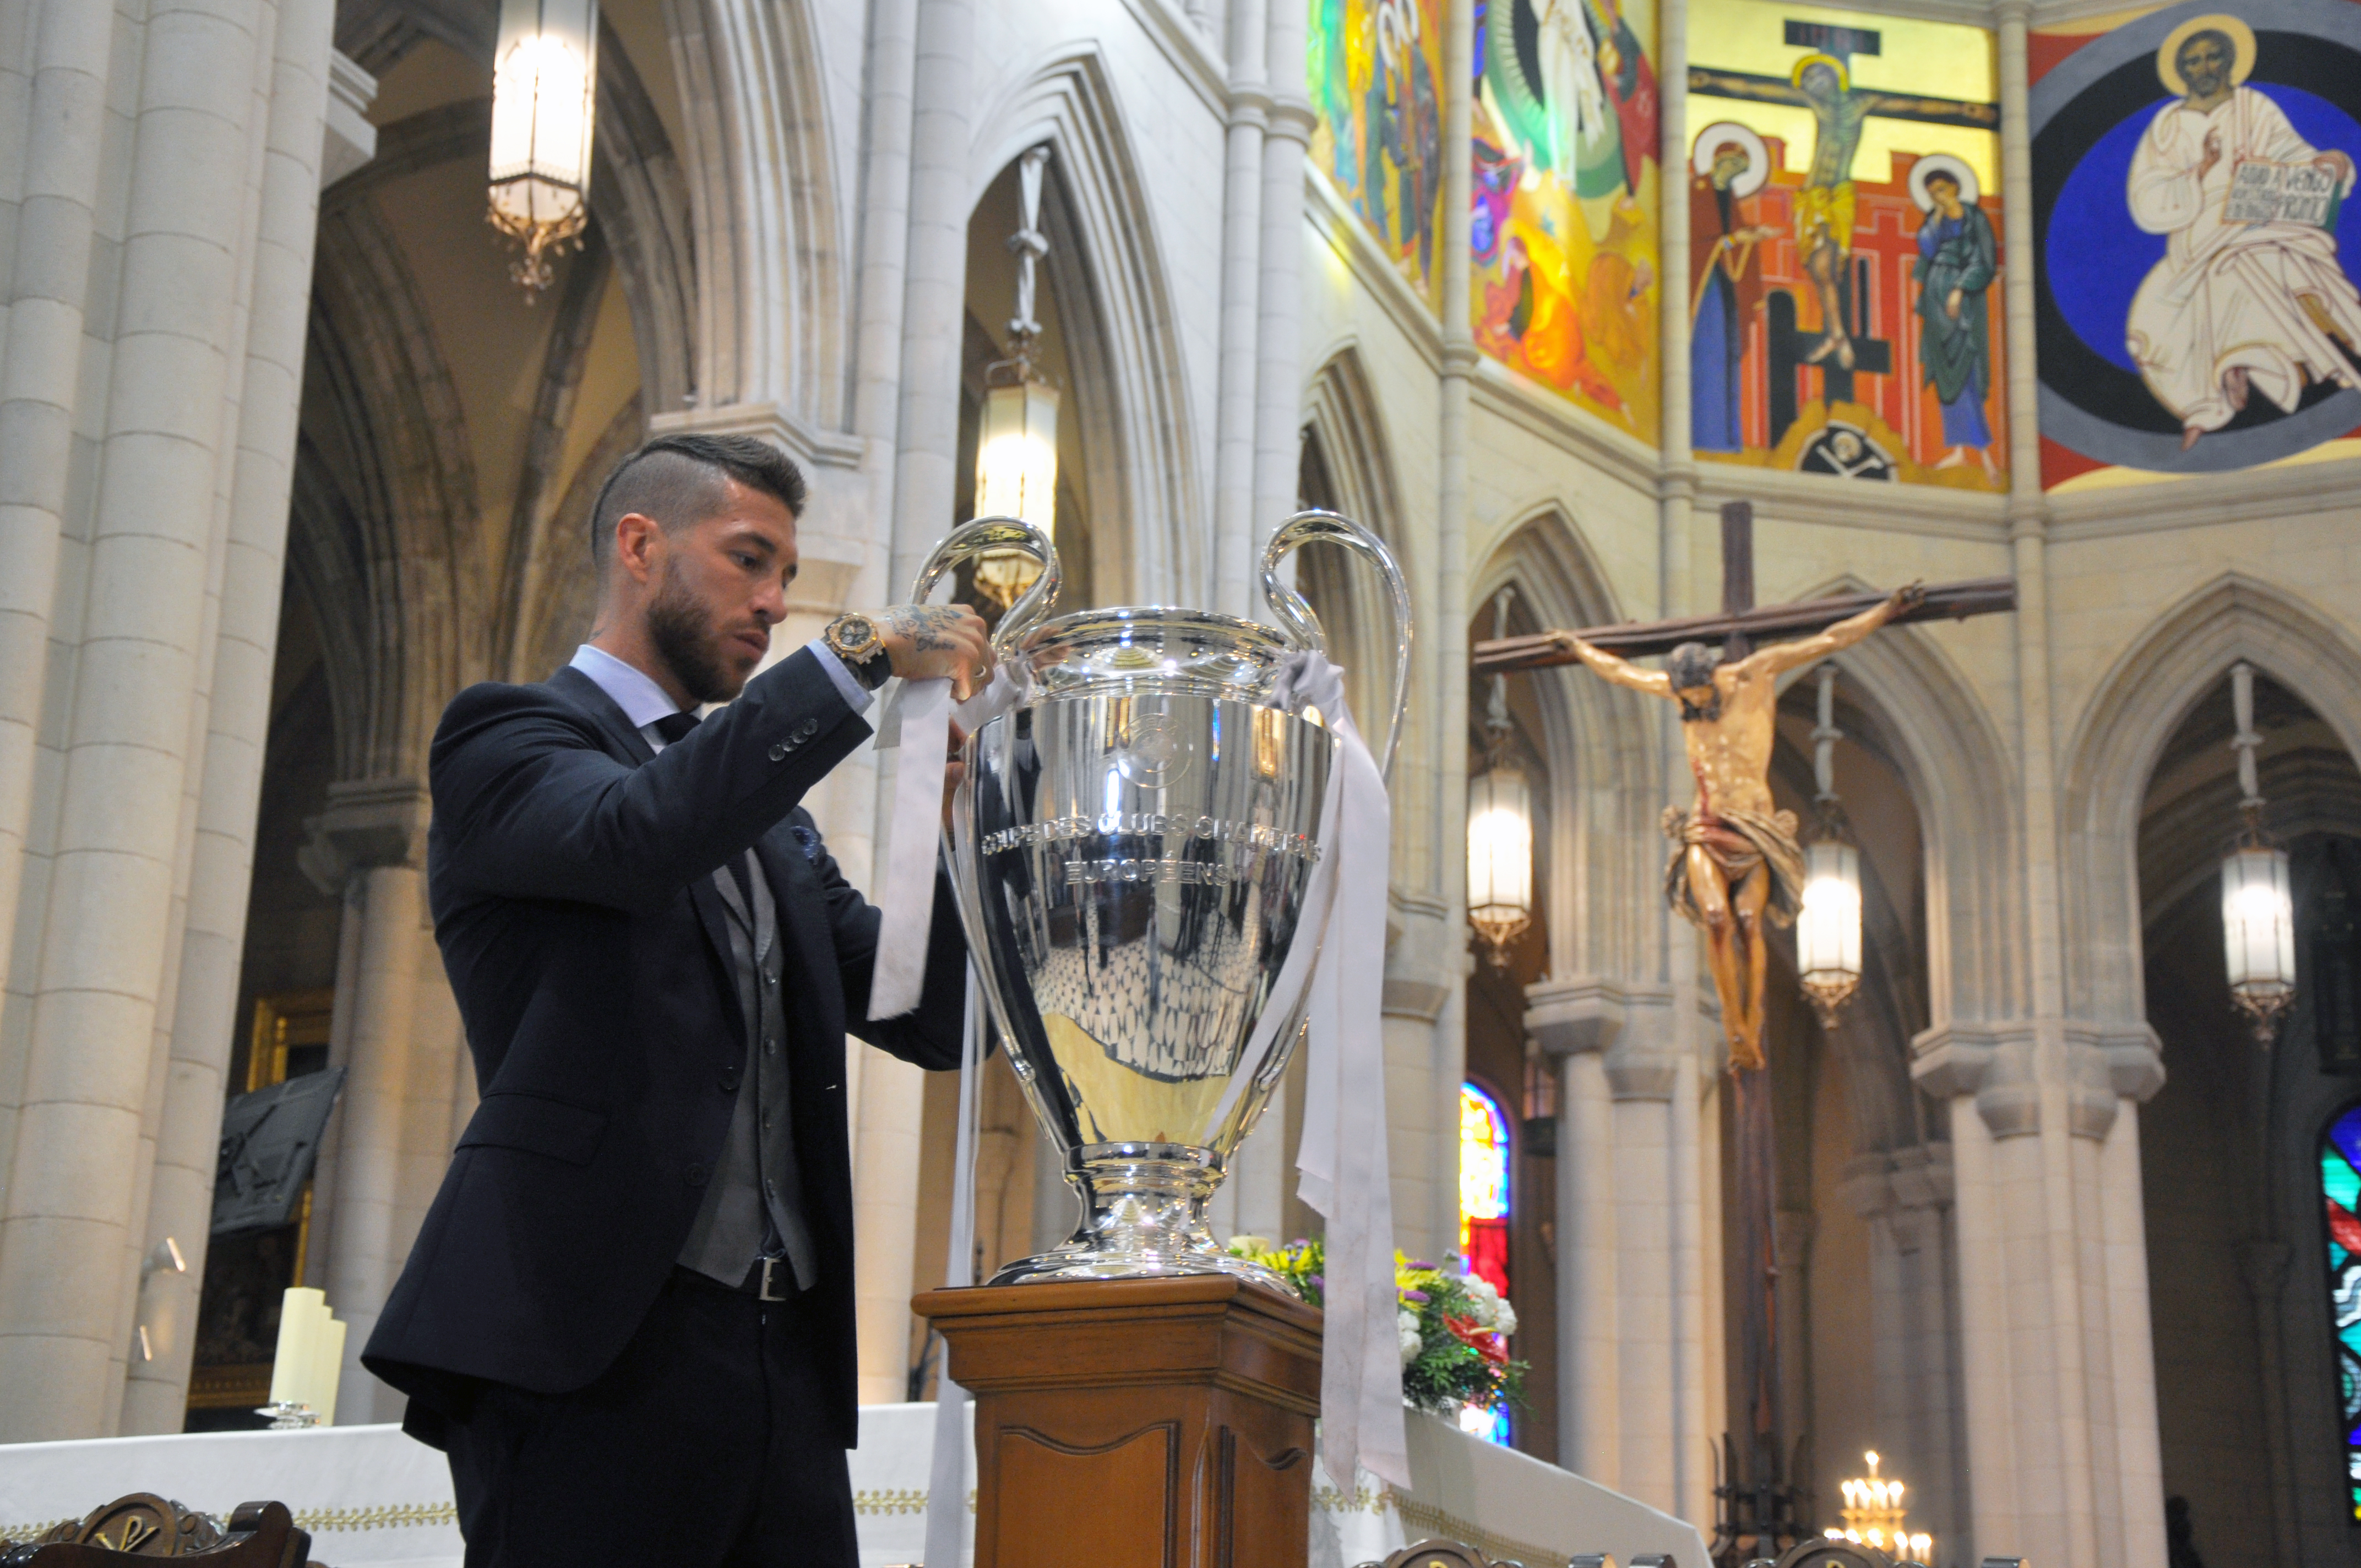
{"x":1133,"y":847}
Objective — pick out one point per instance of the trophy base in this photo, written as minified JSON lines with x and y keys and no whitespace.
{"x":1144,"y":1218}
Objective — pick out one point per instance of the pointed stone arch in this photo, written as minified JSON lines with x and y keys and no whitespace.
{"x":1921,"y":713}
{"x":1343,"y":422}
{"x":771,"y":323}
{"x":1148,"y":542}
{"x":2116,"y":746}
{"x":1603,"y":754}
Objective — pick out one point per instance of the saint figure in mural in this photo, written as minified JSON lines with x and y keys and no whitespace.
{"x":1958,"y":258}
{"x":2250,"y":295}
{"x":1406,"y":126}
{"x":1729,"y":164}
{"x":1824,"y":207}
{"x":1735,"y":861}
{"x":1569,"y":84}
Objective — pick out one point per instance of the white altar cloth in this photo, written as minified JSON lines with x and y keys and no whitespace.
{"x":371,"y":1496}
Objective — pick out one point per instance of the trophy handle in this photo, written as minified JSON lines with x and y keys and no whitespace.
{"x":970,"y":540}
{"x":1297,"y":617}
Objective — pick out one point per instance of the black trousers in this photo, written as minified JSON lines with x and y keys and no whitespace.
{"x":701,"y":1447}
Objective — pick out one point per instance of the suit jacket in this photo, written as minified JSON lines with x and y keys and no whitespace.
{"x":569,"y":871}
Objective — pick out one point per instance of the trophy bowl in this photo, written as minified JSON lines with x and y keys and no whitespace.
{"x":1132,"y":849}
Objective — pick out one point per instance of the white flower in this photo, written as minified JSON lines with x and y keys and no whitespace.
{"x":1483,"y":1301}
{"x":1412,"y":1341}
{"x":1505,"y":1319}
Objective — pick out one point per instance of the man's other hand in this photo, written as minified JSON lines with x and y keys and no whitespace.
{"x":924,"y":641}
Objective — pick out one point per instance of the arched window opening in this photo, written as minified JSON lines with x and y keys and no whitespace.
{"x":2340,"y":1188}
{"x":1484,"y":1201}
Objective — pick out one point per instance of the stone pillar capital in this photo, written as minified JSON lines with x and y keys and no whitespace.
{"x":368,"y":822}
{"x":1991,"y":1060}
{"x":2128,"y":1055}
{"x":1891,"y":1182}
{"x":1587,"y":1013}
{"x":1422,"y":963}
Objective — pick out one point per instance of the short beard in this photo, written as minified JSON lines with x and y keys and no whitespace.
{"x":684,"y":640}
{"x":1691,"y":713}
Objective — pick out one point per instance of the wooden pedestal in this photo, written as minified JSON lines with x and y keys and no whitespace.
{"x":1136,"y":1423}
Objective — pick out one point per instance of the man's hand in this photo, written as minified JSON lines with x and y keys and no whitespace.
{"x":954,"y":769}
{"x":1905,"y":598}
{"x":926,"y":641}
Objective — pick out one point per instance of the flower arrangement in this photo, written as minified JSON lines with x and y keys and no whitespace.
{"x":1455,"y":1326}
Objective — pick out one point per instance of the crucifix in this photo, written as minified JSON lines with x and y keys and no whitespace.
{"x":1735,"y":863}
{"x":1734,"y":866}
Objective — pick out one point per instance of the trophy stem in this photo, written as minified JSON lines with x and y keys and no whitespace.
{"x":1143,"y":1217}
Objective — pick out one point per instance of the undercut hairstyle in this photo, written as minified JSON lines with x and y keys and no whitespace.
{"x":679,"y":480}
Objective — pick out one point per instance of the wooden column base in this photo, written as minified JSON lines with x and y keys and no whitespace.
{"x":1136,"y":1423}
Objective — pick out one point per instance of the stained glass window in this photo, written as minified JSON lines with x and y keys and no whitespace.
{"x":1484,"y":1216}
{"x":2340,"y":1186}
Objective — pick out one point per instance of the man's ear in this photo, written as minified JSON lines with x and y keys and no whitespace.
{"x":639,"y":546}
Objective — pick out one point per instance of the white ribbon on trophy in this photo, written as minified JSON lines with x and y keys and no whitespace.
{"x":916,"y":719}
{"x":946,"y":1480}
{"x":1343,"y":1161}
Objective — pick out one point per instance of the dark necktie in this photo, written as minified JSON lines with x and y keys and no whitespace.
{"x":675,"y":729}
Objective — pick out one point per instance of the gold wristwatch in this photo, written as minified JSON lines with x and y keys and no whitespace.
{"x":853,"y":639}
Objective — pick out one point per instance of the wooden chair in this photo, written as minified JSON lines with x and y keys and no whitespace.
{"x":143,"y":1525}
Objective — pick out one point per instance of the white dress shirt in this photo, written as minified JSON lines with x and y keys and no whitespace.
{"x":643,"y":702}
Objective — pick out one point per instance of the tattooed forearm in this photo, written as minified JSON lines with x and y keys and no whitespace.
{"x":924,"y":624}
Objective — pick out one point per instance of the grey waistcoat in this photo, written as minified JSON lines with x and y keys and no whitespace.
{"x":753,"y":1207}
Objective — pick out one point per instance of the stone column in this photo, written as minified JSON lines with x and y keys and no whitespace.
{"x":1575,"y":1022}
{"x":925,"y":437}
{"x":1449,"y":635}
{"x":934,"y":284}
{"x":885,"y":1221}
{"x":1905,"y":1196}
{"x":40,"y":373}
{"x":1242,"y":234}
{"x":1641,"y":1083}
{"x":75,"y":1176}
{"x":2057,"y":1371}
{"x":371,"y":842}
{"x":1279,"y":303}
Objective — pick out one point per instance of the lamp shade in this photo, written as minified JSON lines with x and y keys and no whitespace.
{"x":1016,"y":453}
{"x":1828,"y":928}
{"x":2258,"y":929}
{"x":544,"y":99}
{"x":1500,"y":855}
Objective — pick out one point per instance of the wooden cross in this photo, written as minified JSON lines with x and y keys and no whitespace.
{"x":1759,"y":1501}
{"x":1741,"y":624}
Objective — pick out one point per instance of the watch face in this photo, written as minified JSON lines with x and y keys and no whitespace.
{"x":854,"y":634}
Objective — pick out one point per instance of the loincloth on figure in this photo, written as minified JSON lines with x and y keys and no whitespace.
{"x":1740,"y":842}
{"x":1827,"y":208}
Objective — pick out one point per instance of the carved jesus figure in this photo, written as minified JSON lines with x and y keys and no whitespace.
{"x":1735,"y":861}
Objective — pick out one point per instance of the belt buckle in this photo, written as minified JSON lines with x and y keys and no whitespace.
{"x":765,"y":1293}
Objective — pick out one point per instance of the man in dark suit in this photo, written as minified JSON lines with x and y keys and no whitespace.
{"x":629,"y":1315}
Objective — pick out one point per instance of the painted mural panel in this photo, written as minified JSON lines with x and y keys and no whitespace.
{"x":2192,"y":171}
{"x":1846,"y":238}
{"x":1564,"y":272}
{"x":1374,"y":69}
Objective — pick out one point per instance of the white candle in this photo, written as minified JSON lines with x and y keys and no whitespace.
{"x":299,"y":1313}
